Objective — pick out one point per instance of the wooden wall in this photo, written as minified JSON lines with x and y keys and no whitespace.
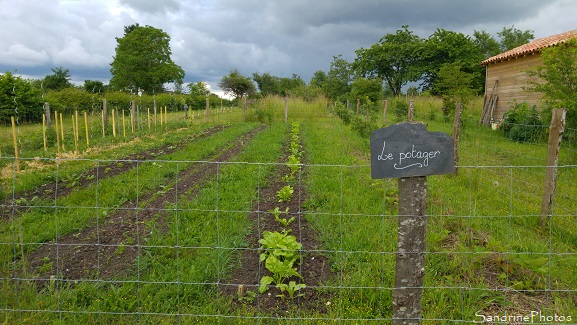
{"x":512,"y":80}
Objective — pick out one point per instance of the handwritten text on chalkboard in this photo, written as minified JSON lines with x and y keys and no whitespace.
{"x":405,"y":149}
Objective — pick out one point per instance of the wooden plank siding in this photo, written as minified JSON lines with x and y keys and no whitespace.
{"x":513,"y":82}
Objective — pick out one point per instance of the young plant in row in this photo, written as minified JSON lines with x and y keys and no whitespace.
{"x":285,"y":193}
{"x":279,"y":256}
{"x":283,"y":221}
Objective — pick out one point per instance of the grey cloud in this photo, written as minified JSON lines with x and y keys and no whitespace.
{"x":152,"y":6}
{"x":210,"y":37}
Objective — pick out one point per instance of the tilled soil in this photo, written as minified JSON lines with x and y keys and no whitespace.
{"x":57,"y":189}
{"x":104,"y":251}
{"x":314,"y":267}
{"x":100,"y":251}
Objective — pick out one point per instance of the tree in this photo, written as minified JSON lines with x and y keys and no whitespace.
{"x":267,"y":83}
{"x":394,"y":59}
{"x":448,"y":47}
{"x":59,"y":80}
{"x":197,"y":95}
{"x":512,"y":37}
{"x":366,"y":90}
{"x":19,"y":98}
{"x":198,"y":89}
{"x":558,"y":79}
{"x":486,"y":43}
{"x":290,"y":86}
{"x":93,"y":86}
{"x":319,"y":79}
{"x":143,"y":60}
{"x":454,"y":86}
{"x":338,"y":83}
{"x":236,"y":84}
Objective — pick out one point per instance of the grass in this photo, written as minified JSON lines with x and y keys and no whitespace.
{"x":45,"y":219}
{"x":485,"y":251}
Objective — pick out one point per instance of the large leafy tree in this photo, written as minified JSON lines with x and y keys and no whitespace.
{"x":197,"y":94}
{"x":291,"y":86}
{"x":93,"y":86}
{"x":395,"y":59}
{"x":58,"y":80}
{"x":19,"y":98}
{"x":339,"y":78}
{"x":448,"y":47}
{"x":143,"y":60}
{"x":366,"y":90}
{"x":319,"y":79}
{"x":486,"y":43}
{"x":511,"y":37}
{"x":267,"y":83}
{"x":236,"y":84}
{"x":455,"y":86}
{"x":558,"y":79}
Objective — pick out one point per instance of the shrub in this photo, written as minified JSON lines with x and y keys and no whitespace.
{"x":400,"y":109}
{"x":522,"y":123}
{"x":343,"y":112}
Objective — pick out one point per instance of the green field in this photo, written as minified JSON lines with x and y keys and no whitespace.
{"x":486,"y":254}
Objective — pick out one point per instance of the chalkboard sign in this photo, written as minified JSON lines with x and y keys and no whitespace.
{"x":408,"y":149}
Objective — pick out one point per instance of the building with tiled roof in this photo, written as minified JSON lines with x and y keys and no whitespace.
{"x":507,"y":78}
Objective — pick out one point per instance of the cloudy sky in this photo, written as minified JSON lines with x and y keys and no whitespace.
{"x":211,"y":37}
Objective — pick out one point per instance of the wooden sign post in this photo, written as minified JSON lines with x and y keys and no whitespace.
{"x":408,"y":152}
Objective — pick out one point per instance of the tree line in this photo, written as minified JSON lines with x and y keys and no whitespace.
{"x":446,"y":64}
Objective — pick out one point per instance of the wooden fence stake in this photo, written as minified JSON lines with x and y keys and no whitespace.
{"x":155,"y":115}
{"x":113,"y":124}
{"x":104,"y":115}
{"x":47,"y":113}
{"x":74,"y":135}
{"x":207,"y":108}
{"x":44,"y":130}
{"x":411,"y":111}
{"x":165,"y":115}
{"x":56,"y":128}
{"x":62,"y":131}
{"x":86,"y":129}
{"x":123,"y":125}
{"x":358,"y":106}
{"x":286,"y":109}
{"x":132,"y":115}
{"x":148,"y":117}
{"x":244,"y":108}
{"x":16,"y":162}
{"x":456,"y":129}
{"x":77,"y":128}
{"x":410,"y":261}
{"x":385,"y":106}
{"x":131,"y":122}
{"x":556,"y":130}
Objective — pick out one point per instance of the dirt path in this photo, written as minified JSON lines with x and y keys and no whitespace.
{"x":109,"y":249}
{"x":58,"y":189}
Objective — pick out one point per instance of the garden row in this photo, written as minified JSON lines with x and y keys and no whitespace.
{"x":199,"y":256}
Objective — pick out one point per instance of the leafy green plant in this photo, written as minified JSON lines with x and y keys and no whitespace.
{"x":293,"y":163}
{"x":285,"y":193}
{"x":281,"y":269}
{"x":291,"y":288}
{"x":279,"y":244}
{"x":295,"y":149}
{"x":522,"y":123}
{"x":283,"y":221}
{"x":279,"y":256}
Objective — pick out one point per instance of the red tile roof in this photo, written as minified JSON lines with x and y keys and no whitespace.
{"x":532,"y":47}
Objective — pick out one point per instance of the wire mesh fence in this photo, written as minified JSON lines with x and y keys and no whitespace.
{"x":179,"y":239}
